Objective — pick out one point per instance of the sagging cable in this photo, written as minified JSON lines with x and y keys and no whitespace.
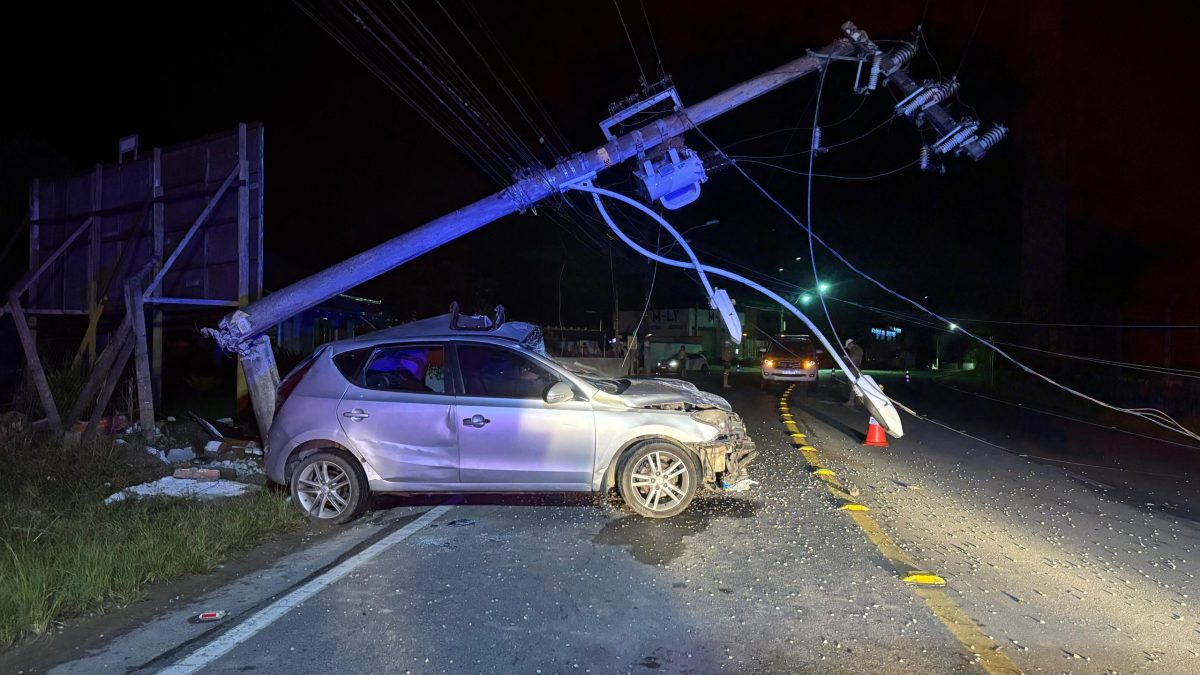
{"x":864,"y":385}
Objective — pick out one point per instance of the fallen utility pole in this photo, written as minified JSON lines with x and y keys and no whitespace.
{"x":243,"y":330}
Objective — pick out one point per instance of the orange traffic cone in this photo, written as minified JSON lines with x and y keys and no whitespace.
{"x":875,"y":436}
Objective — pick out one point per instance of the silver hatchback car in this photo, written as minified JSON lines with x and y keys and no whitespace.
{"x":466,"y":404}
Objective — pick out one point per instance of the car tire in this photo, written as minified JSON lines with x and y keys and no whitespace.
{"x":655,"y":471}
{"x":329,"y":486}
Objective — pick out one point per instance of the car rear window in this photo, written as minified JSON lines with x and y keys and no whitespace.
{"x":350,"y":363}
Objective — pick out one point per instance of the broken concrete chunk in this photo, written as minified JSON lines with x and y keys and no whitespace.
{"x":197,"y":474}
{"x":178,"y":487}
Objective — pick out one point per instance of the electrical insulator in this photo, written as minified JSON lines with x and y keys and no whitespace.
{"x":957,"y":136}
{"x":816,"y":139}
{"x":992,"y":137}
{"x":900,"y":57}
{"x":909,"y":105}
{"x":940,"y":93}
{"x":925,"y":158}
{"x":873,"y":80}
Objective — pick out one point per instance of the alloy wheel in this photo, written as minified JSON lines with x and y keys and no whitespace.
{"x":660,"y":481}
{"x":323,"y":490}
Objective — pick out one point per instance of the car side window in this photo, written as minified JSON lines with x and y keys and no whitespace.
{"x":502,"y":373}
{"x":419,"y":369}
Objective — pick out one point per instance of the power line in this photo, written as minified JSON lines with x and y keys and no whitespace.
{"x":812,"y":253}
{"x":630,"y":38}
{"x":971,"y":39}
{"x":650,"y":29}
{"x":861,"y":136}
{"x":908,"y":318}
{"x":825,"y":175}
{"x":847,"y":118}
{"x":1156,"y":417}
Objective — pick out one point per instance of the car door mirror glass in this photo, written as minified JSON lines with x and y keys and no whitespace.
{"x":558,"y":393}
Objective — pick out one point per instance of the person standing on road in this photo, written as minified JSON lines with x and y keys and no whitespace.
{"x":681,"y":359}
{"x":727,"y":362}
{"x":854,"y":354}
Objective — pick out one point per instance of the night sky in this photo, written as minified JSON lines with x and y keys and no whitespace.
{"x":1093,"y":95}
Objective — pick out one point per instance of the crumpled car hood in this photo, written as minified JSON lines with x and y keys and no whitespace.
{"x":659,"y":391}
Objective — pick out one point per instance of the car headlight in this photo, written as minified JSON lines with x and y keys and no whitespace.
{"x":673,"y":363}
{"x":809,"y":363}
{"x":713,"y":418}
{"x":769,"y":363}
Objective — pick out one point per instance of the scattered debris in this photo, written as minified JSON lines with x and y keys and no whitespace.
{"x":207,"y":426}
{"x":460,"y":522}
{"x":244,"y":469}
{"x":172,"y":456}
{"x":742,"y":485}
{"x":212,"y":446}
{"x":225,"y":420}
{"x":177,"y":487}
{"x":170,"y":418}
{"x":205,"y":617}
{"x":197,"y":474}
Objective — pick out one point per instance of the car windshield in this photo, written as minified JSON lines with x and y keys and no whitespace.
{"x":612,"y":385}
{"x":797,"y":348}
{"x":609,"y":385}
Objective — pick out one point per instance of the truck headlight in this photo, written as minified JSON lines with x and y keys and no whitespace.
{"x":713,"y":418}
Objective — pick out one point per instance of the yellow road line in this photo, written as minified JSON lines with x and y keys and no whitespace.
{"x":964,"y":629}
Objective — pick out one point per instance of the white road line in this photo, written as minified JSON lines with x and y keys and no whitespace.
{"x":272,"y":613}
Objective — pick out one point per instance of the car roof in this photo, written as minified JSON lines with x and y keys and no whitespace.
{"x":439,"y":327}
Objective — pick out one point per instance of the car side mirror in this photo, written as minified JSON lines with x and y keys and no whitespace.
{"x":558,"y":393}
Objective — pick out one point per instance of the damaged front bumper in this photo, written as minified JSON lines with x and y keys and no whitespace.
{"x":723,"y":461}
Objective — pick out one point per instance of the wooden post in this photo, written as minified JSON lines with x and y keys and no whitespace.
{"x":243,"y":245}
{"x":110,"y":383}
{"x":141,"y":361}
{"x":101,"y":370}
{"x":29,"y":344}
{"x":156,"y":227}
{"x":93,"y":259}
{"x":35,"y":243}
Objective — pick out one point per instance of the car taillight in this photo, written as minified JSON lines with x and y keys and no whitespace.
{"x":288,"y":385}
{"x":809,"y":363}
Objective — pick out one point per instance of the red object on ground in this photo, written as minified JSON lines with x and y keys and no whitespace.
{"x":875,"y":436}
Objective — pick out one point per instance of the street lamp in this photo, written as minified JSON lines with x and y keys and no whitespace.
{"x":805,"y":298}
{"x":822,"y":287}
{"x":953,"y":326}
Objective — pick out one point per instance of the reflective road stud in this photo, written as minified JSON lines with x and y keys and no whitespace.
{"x":851,"y":506}
{"x":822,"y":472}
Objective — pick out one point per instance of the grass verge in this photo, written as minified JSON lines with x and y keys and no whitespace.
{"x":64,"y":553}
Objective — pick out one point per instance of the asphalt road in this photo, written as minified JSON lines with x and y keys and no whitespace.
{"x":1062,"y":573}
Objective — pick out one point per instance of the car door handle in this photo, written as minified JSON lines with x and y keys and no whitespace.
{"x":357,"y":415}
{"x":477,"y":421}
